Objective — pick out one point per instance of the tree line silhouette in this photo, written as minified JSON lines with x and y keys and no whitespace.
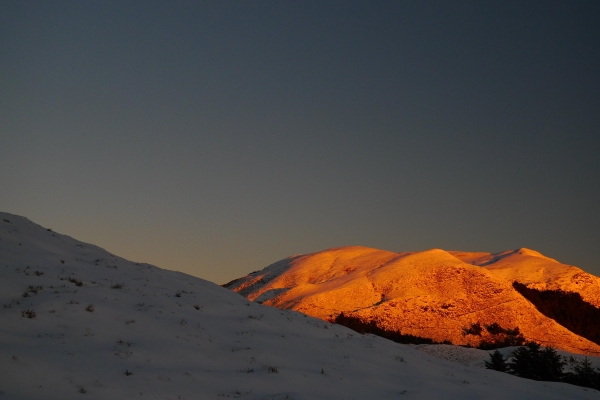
{"x":544,"y":364}
{"x":498,"y":336}
{"x":530,"y":361}
{"x":360,"y":326}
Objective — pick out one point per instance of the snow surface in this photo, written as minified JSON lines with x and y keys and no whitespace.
{"x":157,"y":334}
{"x":476,"y":357}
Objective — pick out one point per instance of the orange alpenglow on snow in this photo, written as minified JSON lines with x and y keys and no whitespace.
{"x":432,"y":294}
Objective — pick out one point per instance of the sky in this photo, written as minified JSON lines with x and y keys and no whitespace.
{"x":217,"y":137}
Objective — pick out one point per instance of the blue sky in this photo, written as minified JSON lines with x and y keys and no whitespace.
{"x":217,"y":137}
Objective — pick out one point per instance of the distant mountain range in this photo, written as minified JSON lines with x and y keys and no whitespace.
{"x":465,"y":298}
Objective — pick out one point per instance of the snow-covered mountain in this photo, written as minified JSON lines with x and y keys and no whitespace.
{"x":80,"y":323}
{"x":536,"y":271}
{"x":434,"y":294}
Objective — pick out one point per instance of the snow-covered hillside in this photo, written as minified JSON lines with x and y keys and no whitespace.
{"x":80,"y":323}
{"x":431,"y":294}
{"x":536,"y":271}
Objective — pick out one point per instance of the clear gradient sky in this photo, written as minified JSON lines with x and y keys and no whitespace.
{"x":215,"y":138}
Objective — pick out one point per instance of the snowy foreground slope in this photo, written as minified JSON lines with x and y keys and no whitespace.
{"x":152,"y":333}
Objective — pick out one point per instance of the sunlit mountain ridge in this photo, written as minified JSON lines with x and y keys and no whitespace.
{"x":537,"y":271}
{"x":433,"y":294}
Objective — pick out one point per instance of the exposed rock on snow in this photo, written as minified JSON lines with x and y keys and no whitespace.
{"x":461,"y":355}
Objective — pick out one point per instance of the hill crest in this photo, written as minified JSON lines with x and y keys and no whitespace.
{"x":434,"y":293}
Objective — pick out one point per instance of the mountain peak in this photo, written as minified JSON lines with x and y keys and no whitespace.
{"x":433,"y":293}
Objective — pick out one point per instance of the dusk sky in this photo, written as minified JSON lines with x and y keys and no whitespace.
{"x":215,"y":138}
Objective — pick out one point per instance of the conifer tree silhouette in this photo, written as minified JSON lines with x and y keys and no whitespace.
{"x":497,"y":362}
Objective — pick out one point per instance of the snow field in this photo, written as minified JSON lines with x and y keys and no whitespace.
{"x":157,"y":334}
